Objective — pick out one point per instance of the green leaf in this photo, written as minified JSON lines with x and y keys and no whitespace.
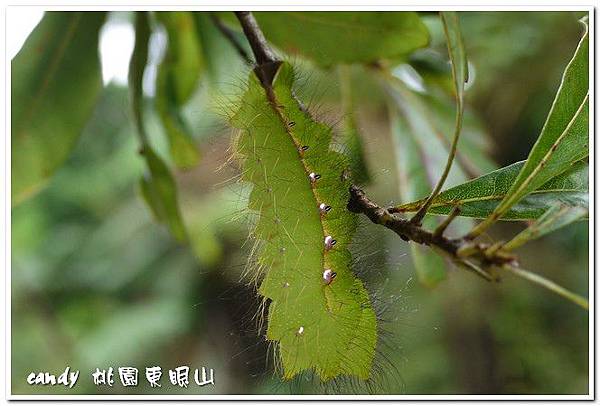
{"x":177,"y":79}
{"x":554,"y":218}
{"x":415,"y":180}
{"x":158,"y":186}
{"x":564,"y":137}
{"x":330,"y":38}
{"x":478,"y":197}
{"x":55,"y":83}
{"x":330,"y":328}
{"x":456,"y":51}
{"x":159,"y":190}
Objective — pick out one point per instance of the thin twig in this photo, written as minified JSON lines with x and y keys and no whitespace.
{"x":230,"y":36}
{"x":468,"y":265}
{"x":444,"y":225}
{"x":408,"y":231}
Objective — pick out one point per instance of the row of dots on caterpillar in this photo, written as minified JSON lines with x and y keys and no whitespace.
{"x":329,"y":241}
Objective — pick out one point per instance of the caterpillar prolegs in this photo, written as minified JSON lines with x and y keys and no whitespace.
{"x":320,"y":315}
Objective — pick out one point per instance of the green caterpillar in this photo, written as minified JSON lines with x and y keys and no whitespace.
{"x":319,"y":314}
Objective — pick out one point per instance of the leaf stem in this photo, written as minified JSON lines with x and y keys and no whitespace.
{"x":548,"y":284}
{"x":137,"y":66}
{"x":444,"y":225}
{"x":459,"y":88}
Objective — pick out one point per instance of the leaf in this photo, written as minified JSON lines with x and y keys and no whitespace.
{"x":330,"y":38}
{"x":564,"y":137}
{"x":456,"y":51}
{"x":330,"y":328}
{"x":557,"y":216}
{"x":158,"y":186}
{"x":177,"y":79}
{"x":415,"y":180}
{"x":160,"y":193}
{"x":55,"y":83}
{"x":478,"y":197}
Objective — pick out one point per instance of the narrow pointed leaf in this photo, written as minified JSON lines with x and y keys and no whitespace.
{"x":564,"y":138}
{"x":554,"y":218}
{"x":456,"y":51}
{"x":159,"y":190}
{"x":55,"y":83}
{"x":177,"y":80}
{"x":158,"y":186}
{"x":478,"y":197}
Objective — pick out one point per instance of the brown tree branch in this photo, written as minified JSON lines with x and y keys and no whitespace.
{"x":456,"y":249}
{"x":266,"y":62}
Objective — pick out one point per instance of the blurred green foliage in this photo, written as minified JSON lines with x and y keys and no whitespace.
{"x":97,"y":283}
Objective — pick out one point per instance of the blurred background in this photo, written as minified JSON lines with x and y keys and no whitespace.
{"x":96,"y":282}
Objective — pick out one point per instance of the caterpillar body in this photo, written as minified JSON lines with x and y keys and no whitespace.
{"x":319,"y":315}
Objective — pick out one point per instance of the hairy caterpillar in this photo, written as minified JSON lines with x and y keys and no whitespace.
{"x":319,"y":313}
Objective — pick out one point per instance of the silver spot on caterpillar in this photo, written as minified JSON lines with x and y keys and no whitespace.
{"x":323,"y":208}
{"x":300,"y":331}
{"x":328,"y":276}
{"x":329,"y":242}
{"x":313,"y":177}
